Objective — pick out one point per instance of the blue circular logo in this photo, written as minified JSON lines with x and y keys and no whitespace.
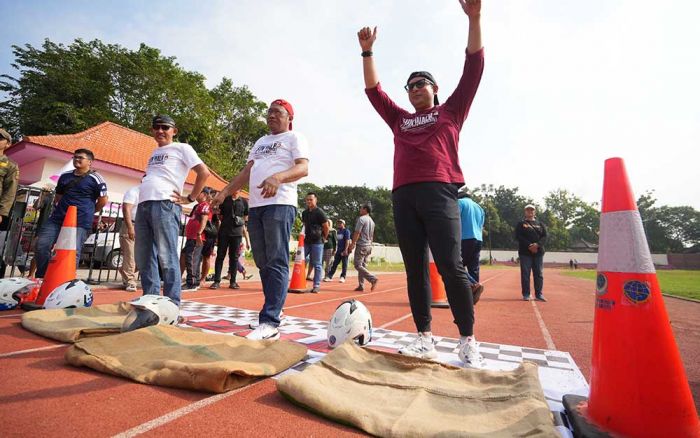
{"x":331,"y":340}
{"x":637,"y":291}
{"x":601,"y":284}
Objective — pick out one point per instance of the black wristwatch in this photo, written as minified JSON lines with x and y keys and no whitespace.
{"x":189,"y":197}
{"x":366,"y":53}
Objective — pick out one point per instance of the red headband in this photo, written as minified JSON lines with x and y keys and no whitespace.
{"x":288,"y":106}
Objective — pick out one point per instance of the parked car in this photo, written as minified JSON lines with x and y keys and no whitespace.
{"x":107,"y":251}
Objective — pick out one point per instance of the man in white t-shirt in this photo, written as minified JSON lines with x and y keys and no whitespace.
{"x":275,"y":163}
{"x":159,"y":213}
{"x":127,"y":235}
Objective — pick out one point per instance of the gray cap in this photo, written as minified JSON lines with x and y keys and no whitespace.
{"x":163,"y":119}
{"x":6,"y":135}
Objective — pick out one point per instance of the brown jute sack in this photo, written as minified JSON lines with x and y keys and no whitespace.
{"x":388,"y":394}
{"x":185,"y":358}
{"x":69,"y":325}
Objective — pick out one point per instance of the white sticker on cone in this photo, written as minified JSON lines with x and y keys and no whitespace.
{"x":67,"y":238}
{"x":623,"y":245}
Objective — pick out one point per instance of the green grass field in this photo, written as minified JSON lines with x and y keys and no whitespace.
{"x":678,"y":282}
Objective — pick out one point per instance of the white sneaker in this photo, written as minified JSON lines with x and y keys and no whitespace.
{"x":342,"y":279}
{"x":264,"y":331}
{"x":423,"y":347}
{"x":326,"y":280}
{"x":469,"y":353}
{"x":255,"y":324}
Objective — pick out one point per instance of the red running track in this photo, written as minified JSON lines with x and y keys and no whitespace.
{"x":48,"y":397}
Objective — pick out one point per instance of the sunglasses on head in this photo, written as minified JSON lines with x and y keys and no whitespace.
{"x":163,"y":128}
{"x":418,"y":84}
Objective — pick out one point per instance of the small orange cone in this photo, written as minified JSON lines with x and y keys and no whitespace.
{"x":638,"y":384}
{"x":298,"y":283}
{"x":62,"y":265}
{"x":439,"y":297}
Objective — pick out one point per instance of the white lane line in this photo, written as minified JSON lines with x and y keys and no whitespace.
{"x":397,"y":320}
{"x":543,"y":328}
{"x":174,"y":415}
{"x":369,"y":294}
{"x":32,"y":350}
{"x":194,"y":297}
{"x":14,"y":315}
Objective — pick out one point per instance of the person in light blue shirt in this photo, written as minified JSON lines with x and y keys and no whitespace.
{"x":472,"y":217}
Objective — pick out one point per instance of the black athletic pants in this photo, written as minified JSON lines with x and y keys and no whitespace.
{"x":426,"y":214}
{"x":231,"y":243}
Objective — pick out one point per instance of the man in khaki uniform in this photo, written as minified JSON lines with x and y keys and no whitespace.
{"x":9,"y":175}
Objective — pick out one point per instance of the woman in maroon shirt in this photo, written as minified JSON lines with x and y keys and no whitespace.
{"x":427,"y":176}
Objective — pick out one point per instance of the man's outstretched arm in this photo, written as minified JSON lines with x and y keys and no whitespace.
{"x":366,"y":37}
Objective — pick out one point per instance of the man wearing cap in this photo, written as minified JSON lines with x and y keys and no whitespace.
{"x":87,"y":191}
{"x":531,"y":235}
{"x":341,"y":252}
{"x":427,"y":176}
{"x":160,"y":199}
{"x":275,"y":163}
{"x":9,"y":176}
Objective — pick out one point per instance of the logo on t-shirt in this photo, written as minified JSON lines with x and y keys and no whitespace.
{"x":158,"y":160}
{"x":419,"y":122}
{"x":265,"y":150}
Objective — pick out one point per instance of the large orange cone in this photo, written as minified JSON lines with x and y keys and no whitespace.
{"x":298,"y":282}
{"x":62,"y":265}
{"x":638,"y":384}
{"x":439,"y":297}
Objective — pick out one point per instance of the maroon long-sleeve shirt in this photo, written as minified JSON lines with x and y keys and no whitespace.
{"x":426,"y":143}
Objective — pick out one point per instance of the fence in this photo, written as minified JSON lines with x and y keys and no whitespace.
{"x":32,"y":207}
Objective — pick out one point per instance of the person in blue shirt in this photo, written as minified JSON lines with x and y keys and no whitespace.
{"x":341,"y":252}
{"x":472,"y":217}
{"x":83,"y":188}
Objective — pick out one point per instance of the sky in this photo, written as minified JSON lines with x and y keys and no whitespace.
{"x":567,"y":84}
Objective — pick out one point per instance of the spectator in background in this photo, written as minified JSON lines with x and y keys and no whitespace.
{"x":160,"y":198}
{"x":362,"y":238}
{"x":531,"y":235}
{"x":316,"y":231}
{"x":9,"y":178}
{"x":329,"y":249}
{"x":341,"y":252}
{"x":234,"y":216}
{"x":209,"y":248}
{"x":82,"y":188}
{"x":127,"y":238}
{"x":194,"y":233}
{"x":472,"y":217}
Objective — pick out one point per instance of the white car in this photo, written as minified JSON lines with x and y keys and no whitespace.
{"x":107,"y":250}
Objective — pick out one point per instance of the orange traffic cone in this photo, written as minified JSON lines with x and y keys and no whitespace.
{"x":638,"y":384}
{"x":298,"y":283}
{"x":439,"y":296}
{"x":62,"y":265}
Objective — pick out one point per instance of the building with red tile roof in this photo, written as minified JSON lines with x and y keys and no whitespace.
{"x":121,"y":155}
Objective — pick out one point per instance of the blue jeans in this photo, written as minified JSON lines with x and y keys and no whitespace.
{"x":531,"y":263}
{"x":157,"y":227}
{"x":48,"y":234}
{"x":314,"y":252}
{"x":270,"y":227}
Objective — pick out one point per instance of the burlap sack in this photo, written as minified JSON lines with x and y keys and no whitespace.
{"x":185,"y":358}
{"x":69,"y":325}
{"x":388,"y":394}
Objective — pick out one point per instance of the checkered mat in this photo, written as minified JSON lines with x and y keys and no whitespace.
{"x":558,"y":372}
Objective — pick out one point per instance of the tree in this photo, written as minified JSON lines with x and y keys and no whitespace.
{"x":668,"y":229}
{"x":65,"y":89}
{"x":238,"y":123}
{"x":578,"y":219}
{"x":344,"y":202}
